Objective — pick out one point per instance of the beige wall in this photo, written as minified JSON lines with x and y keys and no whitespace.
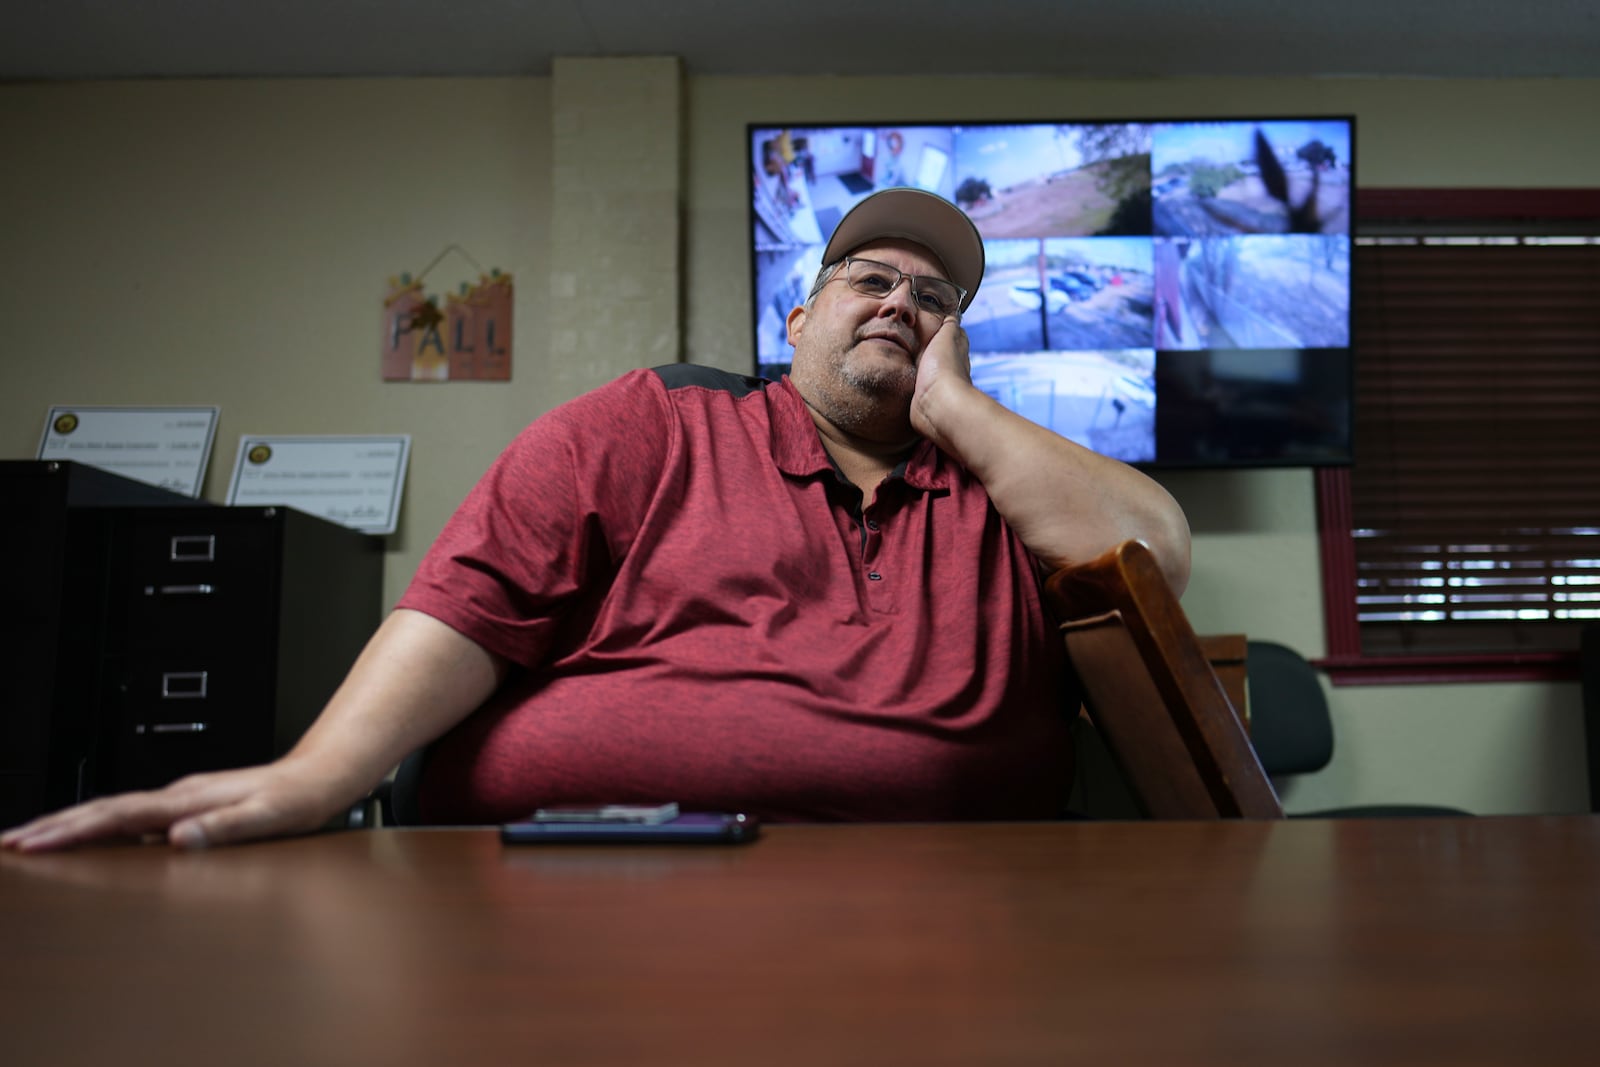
{"x":227,"y":243}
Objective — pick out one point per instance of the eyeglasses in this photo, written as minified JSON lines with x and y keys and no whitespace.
{"x":877,"y":280}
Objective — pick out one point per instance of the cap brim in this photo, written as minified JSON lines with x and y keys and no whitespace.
{"x":914,"y":215}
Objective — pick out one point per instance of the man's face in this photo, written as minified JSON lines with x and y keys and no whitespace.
{"x":855,"y":356}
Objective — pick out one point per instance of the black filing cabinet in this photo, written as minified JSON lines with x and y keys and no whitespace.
{"x":147,"y":636}
{"x":226,"y":630}
{"x":53,"y":542}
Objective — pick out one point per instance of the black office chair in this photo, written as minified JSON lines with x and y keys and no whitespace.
{"x":1589,"y":664}
{"x":403,"y":808}
{"x":393,"y":802}
{"x":1292,"y":730}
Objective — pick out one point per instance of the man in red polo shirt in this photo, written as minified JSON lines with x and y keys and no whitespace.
{"x":811,"y":599}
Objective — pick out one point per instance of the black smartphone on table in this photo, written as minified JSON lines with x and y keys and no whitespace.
{"x":586,"y":825}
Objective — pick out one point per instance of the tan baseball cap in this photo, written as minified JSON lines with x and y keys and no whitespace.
{"x":914,"y":215}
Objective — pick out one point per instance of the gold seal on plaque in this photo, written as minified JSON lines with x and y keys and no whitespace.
{"x":259,"y":454}
{"x":65,"y":423}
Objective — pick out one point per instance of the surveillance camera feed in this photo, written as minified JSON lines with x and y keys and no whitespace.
{"x":1168,"y":293}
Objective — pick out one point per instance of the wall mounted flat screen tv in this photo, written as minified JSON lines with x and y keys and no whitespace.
{"x":1171,"y":293}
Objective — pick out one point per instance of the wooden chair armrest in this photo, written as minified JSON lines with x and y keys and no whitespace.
{"x":1151,"y":693}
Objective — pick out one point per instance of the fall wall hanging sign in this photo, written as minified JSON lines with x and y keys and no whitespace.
{"x":467,"y":339}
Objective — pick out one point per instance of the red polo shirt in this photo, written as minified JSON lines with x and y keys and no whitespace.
{"x":702,"y":612}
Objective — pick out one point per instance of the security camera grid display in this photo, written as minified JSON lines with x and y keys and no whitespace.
{"x":1167,"y":293}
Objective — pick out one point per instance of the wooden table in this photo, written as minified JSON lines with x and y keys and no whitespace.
{"x":1473,"y":941}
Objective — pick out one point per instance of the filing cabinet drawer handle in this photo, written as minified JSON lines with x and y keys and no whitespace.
{"x":183,"y":685}
{"x":171,"y":728}
{"x":193,"y":548}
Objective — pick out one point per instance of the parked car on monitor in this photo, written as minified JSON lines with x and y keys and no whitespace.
{"x":1063,"y":289}
{"x":1026,"y":296}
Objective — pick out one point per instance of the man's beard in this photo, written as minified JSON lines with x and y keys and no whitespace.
{"x":877,"y":399}
{"x":880,"y":382}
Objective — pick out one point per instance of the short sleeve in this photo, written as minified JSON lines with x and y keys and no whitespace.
{"x":551,"y":521}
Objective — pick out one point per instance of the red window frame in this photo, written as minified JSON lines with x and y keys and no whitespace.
{"x":1345,"y":663}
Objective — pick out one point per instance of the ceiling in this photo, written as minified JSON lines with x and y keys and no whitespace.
{"x":91,"y":39}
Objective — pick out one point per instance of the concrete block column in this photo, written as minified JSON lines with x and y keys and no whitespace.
{"x":616,"y":259}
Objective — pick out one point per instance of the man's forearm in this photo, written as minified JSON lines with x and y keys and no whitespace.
{"x":415,"y":679}
{"x":1067,"y":503}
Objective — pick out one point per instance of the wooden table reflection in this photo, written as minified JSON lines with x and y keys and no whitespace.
{"x":1473,"y":941}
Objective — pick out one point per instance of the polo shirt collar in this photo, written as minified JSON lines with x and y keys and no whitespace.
{"x":797,"y":448}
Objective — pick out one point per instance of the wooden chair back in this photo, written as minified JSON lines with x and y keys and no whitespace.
{"x":1151,"y":693}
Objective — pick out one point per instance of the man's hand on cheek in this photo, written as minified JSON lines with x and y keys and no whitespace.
{"x":944,"y":368}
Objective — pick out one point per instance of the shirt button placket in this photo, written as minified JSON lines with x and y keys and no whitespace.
{"x":869,"y":557}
